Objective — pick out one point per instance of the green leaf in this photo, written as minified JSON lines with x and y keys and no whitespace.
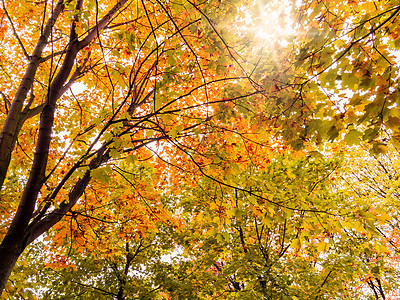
{"x":172,"y":60}
{"x":132,"y":159}
{"x":115,"y":153}
{"x":316,"y":155}
{"x":226,"y":236}
{"x":353,"y":137}
{"x":103,"y":174}
{"x":370,"y":134}
{"x":176,"y":131}
{"x":115,"y":53}
{"x":221,"y":70}
{"x":379,"y":148}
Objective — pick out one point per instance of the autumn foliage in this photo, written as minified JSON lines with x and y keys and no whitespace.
{"x":159,"y":150}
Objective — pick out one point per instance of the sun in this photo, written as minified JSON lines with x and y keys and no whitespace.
{"x":273,"y":23}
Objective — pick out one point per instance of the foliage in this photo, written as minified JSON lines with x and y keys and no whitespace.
{"x":154,"y":150}
{"x":150,"y":88}
{"x":375,"y":183}
{"x":339,"y":74}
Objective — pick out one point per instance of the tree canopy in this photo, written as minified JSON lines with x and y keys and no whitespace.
{"x":183,"y":150}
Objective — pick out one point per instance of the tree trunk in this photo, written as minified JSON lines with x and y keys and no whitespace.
{"x":10,"y":250}
{"x":12,"y":124}
{"x":23,"y":230}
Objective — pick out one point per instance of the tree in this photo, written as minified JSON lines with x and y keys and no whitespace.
{"x":152,"y":74}
{"x":188,"y":141}
{"x":273,"y":237}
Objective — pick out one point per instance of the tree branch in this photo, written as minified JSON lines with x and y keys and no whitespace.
{"x":101,"y":25}
{"x":56,"y":215}
{"x":15,"y":32}
{"x":11,"y":126}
